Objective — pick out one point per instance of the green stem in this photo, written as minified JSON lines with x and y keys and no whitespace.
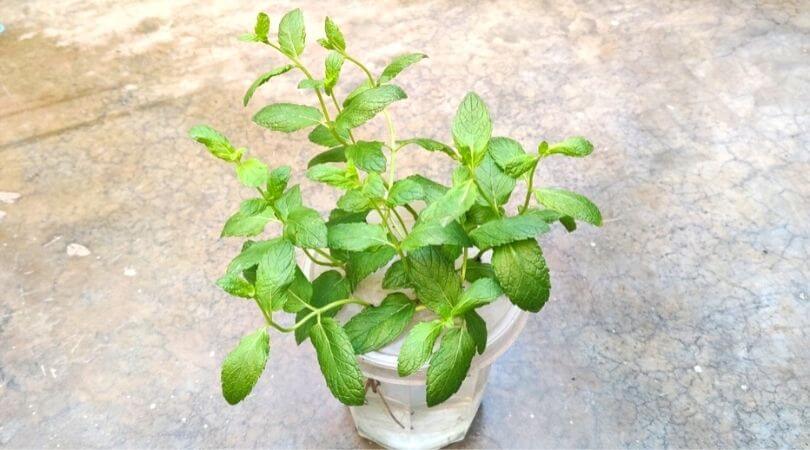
{"x":399,"y":218}
{"x":394,"y":237}
{"x":489,"y":201}
{"x":337,"y":107}
{"x":319,"y":262}
{"x":463,"y":264}
{"x":267,"y":317}
{"x":362,"y":67}
{"x":321,"y":101}
{"x":413,"y":212}
{"x":316,"y":312}
{"x":529,"y":188}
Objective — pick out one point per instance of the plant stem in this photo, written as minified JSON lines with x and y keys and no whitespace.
{"x":413,"y":212}
{"x":489,"y":201}
{"x":362,"y":67}
{"x":316,"y":312}
{"x":463,"y":264}
{"x":319,"y":262}
{"x":397,"y":242}
{"x":399,"y":218}
{"x":321,"y":101}
{"x":529,"y":188}
{"x":327,"y":256}
{"x":267,"y":317}
{"x":337,"y":107}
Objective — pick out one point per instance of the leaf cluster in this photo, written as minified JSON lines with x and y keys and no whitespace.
{"x":420,"y":232}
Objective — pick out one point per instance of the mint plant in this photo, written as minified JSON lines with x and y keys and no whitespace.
{"x":435,"y":264}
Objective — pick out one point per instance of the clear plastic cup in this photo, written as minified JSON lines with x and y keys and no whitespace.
{"x":396,"y":414}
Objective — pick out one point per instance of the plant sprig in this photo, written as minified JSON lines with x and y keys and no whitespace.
{"x":429,"y":263}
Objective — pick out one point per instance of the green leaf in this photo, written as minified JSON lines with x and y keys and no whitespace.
{"x":405,"y":191}
{"x":374,"y":186}
{"x":276,"y":270}
{"x":323,"y":42}
{"x":569,"y":223}
{"x":355,"y":201}
{"x":471,"y":126}
{"x":481,"y":292}
{"x":308,"y":83}
{"x":477,"y":328}
{"x":509,"y":229}
{"x":235,"y":285}
{"x":451,"y":205}
{"x":522,"y":273}
{"x":362,"y":87}
{"x":264,"y":78}
{"x":338,"y":215}
{"x":520,"y":164}
{"x":334,"y":176}
{"x":249,"y":37}
{"x":277,"y":182}
{"x":479,"y":214}
{"x":367,"y":104}
{"x":574,"y":146}
{"x":493,"y":184}
{"x":244,"y":365}
{"x":338,"y":363}
{"x":367,"y":155}
{"x":399,"y":64}
{"x":252,"y":172}
{"x":291,"y":33}
{"x":434,"y":279}
{"x":430,"y":145}
{"x":502,"y":150}
{"x":297,"y":295}
{"x":215,"y":142}
{"x":569,"y":203}
{"x":433,"y":190}
{"x":327,"y":288}
{"x":305,"y":227}
{"x":359,"y":265}
{"x":333,"y":63}
{"x":396,"y":276}
{"x":356,"y":237}
{"x":477,"y":270}
{"x":250,"y":220}
{"x":322,"y":136}
{"x":432,"y":233}
{"x":548,"y":215}
{"x":377,"y":326}
{"x":336,"y":154}
{"x":288,"y":201}
{"x":250,"y":255}
{"x":451,"y":252}
{"x":262,"y":26}
{"x":449,"y":365}
{"x":417,"y":347}
{"x":460,"y":175}
{"x":334,"y":35}
{"x":287,"y":117}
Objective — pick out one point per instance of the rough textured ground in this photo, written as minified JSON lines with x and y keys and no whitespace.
{"x":684,"y":322}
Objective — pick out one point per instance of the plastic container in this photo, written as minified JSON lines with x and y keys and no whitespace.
{"x":396,"y":414}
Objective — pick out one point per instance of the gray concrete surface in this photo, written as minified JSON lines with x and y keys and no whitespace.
{"x":683,"y":322}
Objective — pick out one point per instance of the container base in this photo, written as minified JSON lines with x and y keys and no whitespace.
{"x":396,"y":416}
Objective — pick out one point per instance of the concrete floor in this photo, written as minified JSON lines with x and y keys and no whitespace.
{"x":683,"y":322}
